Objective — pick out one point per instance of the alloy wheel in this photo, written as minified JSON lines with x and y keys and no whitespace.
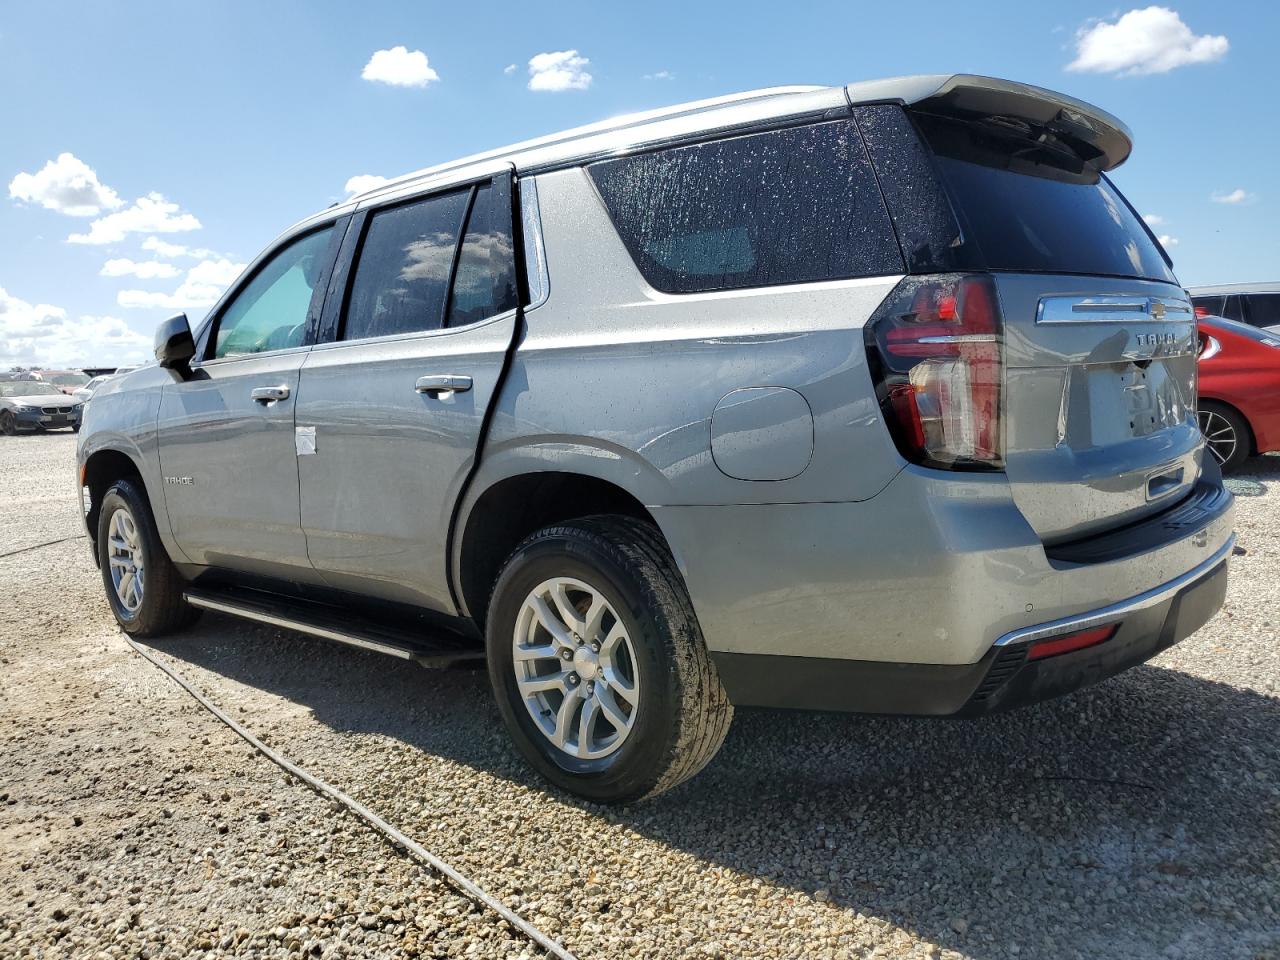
{"x":576,"y":668}
{"x":1219,"y":435}
{"x":124,"y":554}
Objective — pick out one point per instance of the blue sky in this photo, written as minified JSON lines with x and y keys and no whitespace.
{"x":244,"y":117}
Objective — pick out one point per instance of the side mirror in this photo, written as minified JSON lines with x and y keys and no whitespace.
{"x":175,"y":346}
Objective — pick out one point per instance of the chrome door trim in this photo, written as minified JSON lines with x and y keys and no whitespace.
{"x":1103,"y":615}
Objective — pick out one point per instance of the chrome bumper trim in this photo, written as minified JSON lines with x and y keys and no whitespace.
{"x":1096,"y":618}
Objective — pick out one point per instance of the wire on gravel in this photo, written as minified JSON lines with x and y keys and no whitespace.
{"x":37,"y":546}
{"x":397,"y":838}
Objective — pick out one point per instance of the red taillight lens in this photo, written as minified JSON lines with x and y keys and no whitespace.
{"x":936,"y":347}
{"x":1070,"y":642}
{"x":1202,"y":312}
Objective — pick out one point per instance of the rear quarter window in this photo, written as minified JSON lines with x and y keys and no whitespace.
{"x":786,"y":206}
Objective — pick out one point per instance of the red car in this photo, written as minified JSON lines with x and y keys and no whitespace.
{"x":1239,"y":390}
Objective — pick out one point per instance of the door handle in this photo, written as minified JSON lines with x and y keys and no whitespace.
{"x":443,"y":383}
{"x":265,"y":395}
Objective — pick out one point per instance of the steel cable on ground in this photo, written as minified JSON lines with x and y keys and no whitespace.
{"x":398,"y":839}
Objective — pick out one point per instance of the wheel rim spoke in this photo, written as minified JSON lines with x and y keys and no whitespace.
{"x":551,"y":681}
{"x":564,"y":719}
{"x":586,"y":723}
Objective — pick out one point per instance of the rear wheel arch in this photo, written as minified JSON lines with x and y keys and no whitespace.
{"x":511,"y":509}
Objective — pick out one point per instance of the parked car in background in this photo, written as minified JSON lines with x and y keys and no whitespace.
{"x":1257,"y":304}
{"x":85,"y":392}
{"x":65,"y":380}
{"x":875,"y":398}
{"x":1239,"y":390}
{"x":29,"y":405}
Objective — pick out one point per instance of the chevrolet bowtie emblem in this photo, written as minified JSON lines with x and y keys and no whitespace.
{"x":1157,"y":310}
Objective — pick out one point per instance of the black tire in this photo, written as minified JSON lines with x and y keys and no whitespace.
{"x":162,"y":608}
{"x":1227,"y":434}
{"x":682,"y":714}
{"x":7,"y":426}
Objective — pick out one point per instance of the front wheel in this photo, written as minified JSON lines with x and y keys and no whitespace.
{"x":7,"y":425}
{"x":1226,"y":434}
{"x":598,"y":664}
{"x":143,"y":586}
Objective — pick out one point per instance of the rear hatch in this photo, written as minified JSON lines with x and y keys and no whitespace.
{"x":1099,"y":346}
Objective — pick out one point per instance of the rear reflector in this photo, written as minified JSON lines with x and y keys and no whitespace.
{"x":1070,"y":642}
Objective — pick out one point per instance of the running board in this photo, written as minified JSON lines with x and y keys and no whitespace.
{"x":329,"y":623}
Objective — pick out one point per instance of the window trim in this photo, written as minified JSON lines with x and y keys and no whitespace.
{"x":333,"y":326}
{"x":207,"y":336}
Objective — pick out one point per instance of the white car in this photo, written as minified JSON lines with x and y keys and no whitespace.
{"x":85,"y":392}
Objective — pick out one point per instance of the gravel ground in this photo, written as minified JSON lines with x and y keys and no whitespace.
{"x":1140,"y":818}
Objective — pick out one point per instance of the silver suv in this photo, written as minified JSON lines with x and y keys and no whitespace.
{"x":876,"y":398}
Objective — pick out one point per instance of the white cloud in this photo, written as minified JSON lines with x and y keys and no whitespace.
{"x":400,"y":67}
{"x":1150,"y":40}
{"x":42,"y":335}
{"x":142,"y":269}
{"x":201,"y":287}
{"x":68,"y":185}
{"x":510,"y":68}
{"x":171,"y":251}
{"x":660,"y":75}
{"x":363,"y":182}
{"x":149,"y":214}
{"x":1167,"y":241}
{"x":1237,"y":195}
{"x":563,"y":70}
{"x":1153,"y":219}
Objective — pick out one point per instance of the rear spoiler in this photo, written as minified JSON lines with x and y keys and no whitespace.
{"x":1105,"y":137}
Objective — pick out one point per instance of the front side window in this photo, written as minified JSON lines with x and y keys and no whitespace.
{"x":270,"y":311}
{"x":402,"y":276}
{"x":786,"y":206}
{"x":485,"y":282}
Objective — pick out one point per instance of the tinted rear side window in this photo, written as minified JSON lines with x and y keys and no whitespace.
{"x":787,"y":206}
{"x":1034,"y":207}
{"x":485,"y":283}
{"x":402,"y":276}
{"x":1264,"y":309}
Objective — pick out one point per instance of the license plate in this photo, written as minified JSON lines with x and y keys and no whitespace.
{"x":53,"y":418}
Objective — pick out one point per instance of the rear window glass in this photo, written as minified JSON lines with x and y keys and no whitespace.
{"x":1035,"y":207}
{"x":1264,"y":309}
{"x":787,"y":206}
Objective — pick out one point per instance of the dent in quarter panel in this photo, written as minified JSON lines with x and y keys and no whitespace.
{"x":762,"y":433}
{"x":608,"y":362}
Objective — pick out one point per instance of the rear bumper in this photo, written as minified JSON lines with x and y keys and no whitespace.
{"x":935,"y":569}
{"x":1004,"y":678}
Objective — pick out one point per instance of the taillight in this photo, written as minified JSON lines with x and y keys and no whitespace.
{"x":1202,"y":312}
{"x":936,"y":350}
